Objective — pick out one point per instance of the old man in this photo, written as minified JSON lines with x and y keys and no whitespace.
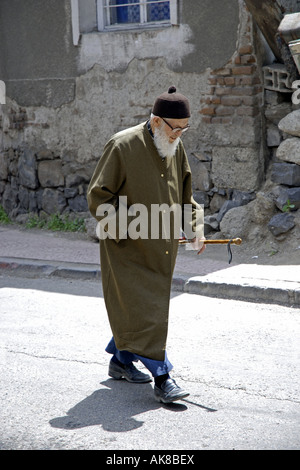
{"x":142,"y":168}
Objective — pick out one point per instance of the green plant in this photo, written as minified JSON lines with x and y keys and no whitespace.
{"x":288,"y":206}
{"x":56,"y":223}
{"x":273,"y":252}
{"x":65,"y":224}
{"x":35,"y":222}
{"x":4,"y":219}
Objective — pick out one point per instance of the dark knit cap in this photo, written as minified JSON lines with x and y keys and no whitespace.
{"x":172,"y":105}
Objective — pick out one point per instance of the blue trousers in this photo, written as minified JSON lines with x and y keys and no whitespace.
{"x":155,"y":367}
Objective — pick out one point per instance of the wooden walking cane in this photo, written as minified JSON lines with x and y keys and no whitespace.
{"x":235,"y":241}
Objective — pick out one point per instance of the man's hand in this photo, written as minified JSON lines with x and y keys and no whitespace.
{"x":197,"y":244}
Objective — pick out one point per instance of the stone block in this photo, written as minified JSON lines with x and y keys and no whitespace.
{"x":273,"y":97}
{"x":75,"y":179}
{"x":289,"y":150}
{"x":32,"y":201}
{"x":13,"y":167}
{"x":2,"y":187}
{"x":290,"y":124}
{"x":289,"y":28}
{"x":242,"y":197}
{"x":45,"y":154}
{"x":24,"y":197}
{"x":281,"y":223}
{"x":27,"y":170}
{"x":238,"y":199}
{"x":28,"y":199}
{"x":288,"y":194}
{"x":3,"y":166}
{"x":201,"y":175}
{"x":237,"y":221}
{"x":70,"y":192}
{"x":52,"y":201}
{"x":263,"y":208}
{"x":210,"y":224}
{"x":286,"y":174}
{"x":50,"y":173}
{"x":217,"y":202}
{"x":237,"y":167}
{"x":91,"y":226}
{"x":9,"y":199}
{"x":276,"y":113}
{"x":78,"y":204}
{"x":273,"y":136}
{"x":201,"y":198}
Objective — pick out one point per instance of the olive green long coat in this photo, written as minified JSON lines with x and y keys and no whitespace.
{"x":137,"y":273}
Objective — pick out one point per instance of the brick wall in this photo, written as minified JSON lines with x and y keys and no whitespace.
{"x":236,"y":91}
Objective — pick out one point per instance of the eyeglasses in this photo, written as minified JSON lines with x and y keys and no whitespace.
{"x":177,"y":129}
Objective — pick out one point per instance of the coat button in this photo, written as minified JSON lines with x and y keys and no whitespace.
{"x":162,"y":175}
{"x":167,"y":252}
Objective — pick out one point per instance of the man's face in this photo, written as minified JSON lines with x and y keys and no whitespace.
{"x":167,"y":133}
{"x":176,"y":124}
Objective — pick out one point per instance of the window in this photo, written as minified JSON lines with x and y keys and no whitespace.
{"x":107,"y":15}
{"x":121,"y":14}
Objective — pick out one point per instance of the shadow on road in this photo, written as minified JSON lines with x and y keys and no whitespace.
{"x":114,"y":407}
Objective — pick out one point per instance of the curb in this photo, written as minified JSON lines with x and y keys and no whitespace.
{"x":35,"y":268}
{"x":285,"y":293}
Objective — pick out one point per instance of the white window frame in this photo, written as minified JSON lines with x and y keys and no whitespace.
{"x":75,"y":22}
{"x":104,"y":26}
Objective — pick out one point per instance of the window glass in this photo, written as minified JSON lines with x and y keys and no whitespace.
{"x":125,"y":14}
{"x":135,"y":11}
{"x":158,"y":11}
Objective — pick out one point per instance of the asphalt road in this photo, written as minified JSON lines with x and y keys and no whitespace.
{"x":238,"y":360}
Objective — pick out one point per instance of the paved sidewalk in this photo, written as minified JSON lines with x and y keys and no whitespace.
{"x":43,"y":253}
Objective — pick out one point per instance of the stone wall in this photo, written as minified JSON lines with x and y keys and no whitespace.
{"x":37,"y":183}
{"x":285,"y":173}
{"x":271,"y":221}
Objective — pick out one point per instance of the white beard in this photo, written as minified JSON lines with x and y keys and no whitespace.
{"x":164,"y":147}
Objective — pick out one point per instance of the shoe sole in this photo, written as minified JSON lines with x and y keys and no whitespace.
{"x":117,"y":376}
{"x":170,"y":400}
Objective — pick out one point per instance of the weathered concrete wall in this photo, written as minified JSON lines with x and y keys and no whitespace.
{"x":214,"y":27}
{"x":206,"y":38}
{"x":37,"y":58}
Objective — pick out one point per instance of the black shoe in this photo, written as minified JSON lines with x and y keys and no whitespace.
{"x":169,"y":392}
{"x":128,"y":372}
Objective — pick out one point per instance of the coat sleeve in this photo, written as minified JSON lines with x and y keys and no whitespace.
{"x":193,"y":213}
{"x":103,"y":190}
